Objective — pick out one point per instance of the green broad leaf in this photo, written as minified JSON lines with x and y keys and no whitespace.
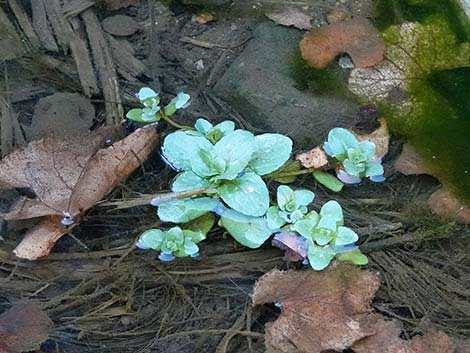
{"x":190,"y":247}
{"x":185,"y":210}
{"x":135,"y":115}
{"x":351,"y":168}
{"x":355,"y":257}
{"x":247,"y":194}
{"x":189,"y":181}
{"x":340,"y":140}
{"x":180,"y":148}
{"x":328,"y":180}
{"x":368,"y":148}
{"x":333,"y":210}
{"x":323,"y":236}
{"x":289,"y":166}
{"x":306,"y":226}
{"x":201,"y":224}
{"x":207,"y":164}
{"x":249,"y":231}
{"x":374,"y":169}
{"x":303,"y":197}
{"x":272,"y":151}
{"x":286,"y":198}
{"x":236,"y":149}
{"x":203,"y":126}
{"x":151,"y":239}
{"x":274,"y":220}
{"x":320,"y":257}
{"x":225,"y":127}
{"x":328,"y":222}
{"x":345,"y":236}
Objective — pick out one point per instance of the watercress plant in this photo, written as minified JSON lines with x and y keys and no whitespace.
{"x":221,"y":168}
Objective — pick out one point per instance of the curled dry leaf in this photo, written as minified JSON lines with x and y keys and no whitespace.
{"x":445,"y":204}
{"x":386,"y":339}
{"x":320,"y":310}
{"x":23,"y":328}
{"x":291,"y":17}
{"x":329,"y":311}
{"x":68,"y":177}
{"x":356,"y":37}
{"x":315,"y":158}
{"x":381,"y":138}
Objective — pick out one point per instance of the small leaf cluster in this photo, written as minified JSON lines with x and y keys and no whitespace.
{"x":228,"y":160}
{"x":357,"y":159}
{"x":323,"y":234}
{"x":151,"y":110}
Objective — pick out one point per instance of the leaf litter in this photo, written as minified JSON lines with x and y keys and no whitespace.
{"x":357,"y":37}
{"x":68,"y":177}
{"x":23,"y":328}
{"x":330,"y":311}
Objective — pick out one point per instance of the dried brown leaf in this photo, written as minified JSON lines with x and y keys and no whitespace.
{"x":23,"y":328}
{"x":68,"y":176}
{"x":315,"y":158}
{"x":410,"y":162}
{"x":381,"y":138}
{"x":386,"y":339}
{"x":320,"y":310}
{"x":291,"y":17}
{"x":356,"y":37}
{"x":445,"y":204}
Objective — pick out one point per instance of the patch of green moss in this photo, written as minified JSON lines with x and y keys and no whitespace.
{"x":327,"y":82}
{"x":392,"y":12}
{"x":438,"y":122}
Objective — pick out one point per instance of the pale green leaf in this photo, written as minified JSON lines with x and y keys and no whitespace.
{"x":320,"y":257}
{"x":189,"y":181}
{"x":345,"y":236}
{"x":236,"y":149}
{"x":332,"y":209}
{"x":185,"y":210}
{"x":179,"y":148}
{"x":274,"y":220}
{"x":151,"y":239}
{"x":272,"y":151}
{"x":247,"y":194}
{"x":249,"y":231}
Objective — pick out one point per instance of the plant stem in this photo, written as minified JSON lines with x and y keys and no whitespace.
{"x":173,"y":123}
{"x":292,"y":173}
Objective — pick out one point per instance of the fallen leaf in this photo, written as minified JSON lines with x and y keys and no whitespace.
{"x":291,"y":17}
{"x":320,"y":311}
{"x":329,"y":311}
{"x":68,"y":178}
{"x":23,"y":328}
{"x":410,"y":162}
{"x":381,"y":138}
{"x":445,"y":204}
{"x":294,"y":246}
{"x":315,"y":158}
{"x":356,"y":37}
{"x":112,"y":5}
{"x":386,"y":339}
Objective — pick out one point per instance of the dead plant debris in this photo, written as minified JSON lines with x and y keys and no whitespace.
{"x":330,"y":311}
{"x":67,"y":178}
{"x":356,"y":37}
{"x":23,"y":328}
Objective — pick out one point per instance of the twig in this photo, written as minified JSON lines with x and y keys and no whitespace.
{"x":237,"y":326}
{"x":209,"y":45}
